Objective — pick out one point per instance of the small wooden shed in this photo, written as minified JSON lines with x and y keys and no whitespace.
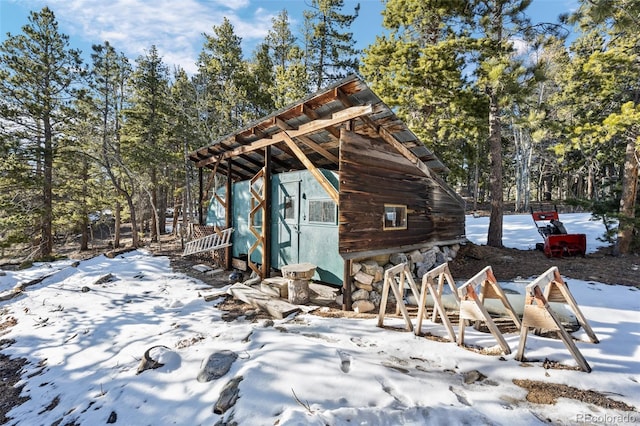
{"x":332,"y":178}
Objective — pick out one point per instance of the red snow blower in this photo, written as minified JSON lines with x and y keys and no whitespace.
{"x":557,"y":242}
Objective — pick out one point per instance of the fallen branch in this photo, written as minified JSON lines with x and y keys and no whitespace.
{"x":113,"y":253}
{"x":304,"y":404}
{"x":19,"y":288}
{"x":70,"y":338}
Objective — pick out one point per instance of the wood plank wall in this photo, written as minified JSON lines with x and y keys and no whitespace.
{"x":373,"y":174}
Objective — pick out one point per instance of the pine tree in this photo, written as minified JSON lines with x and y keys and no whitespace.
{"x":145,"y":133}
{"x":291,"y":81}
{"x":603,"y":121}
{"x":221,"y":81}
{"x":418,"y":70}
{"x":187,"y":133}
{"x":260,"y":84}
{"x":80,"y":188}
{"x":330,"y":51}
{"x":110,"y":73}
{"x":434,"y":43}
{"x":38,"y":79}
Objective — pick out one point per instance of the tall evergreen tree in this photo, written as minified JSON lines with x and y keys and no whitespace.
{"x":280,"y":39}
{"x":187,"y":133}
{"x":38,"y":78}
{"x":480,"y":32}
{"x":145,"y":132}
{"x":80,"y":186}
{"x":418,"y":70}
{"x":607,"y":58}
{"x":330,"y":51}
{"x":110,"y":74}
{"x":260,"y":84}
{"x":222,"y":81}
{"x":496,"y":23}
{"x":291,"y":81}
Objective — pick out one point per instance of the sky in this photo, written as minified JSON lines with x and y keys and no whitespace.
{"x":176,"y":27}
{"x":84,"y":340}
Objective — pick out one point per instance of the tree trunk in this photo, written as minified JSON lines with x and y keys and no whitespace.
{"x":186,"y":203}
{"x":135,"y":241}
{"x":547,"y":186}
{"x":153,"y":199}
{"x":162,"y":209}
{"x":46,"y":245}
{"x":518,"y":142}
{"x":494,"y":234}
{"x":590,"y":183}
{"x":84,"y":236}
{"x":177,"y":206}
{"x":628,"y":198}
{"x":84,"y":222}
{"x":118,"y":220}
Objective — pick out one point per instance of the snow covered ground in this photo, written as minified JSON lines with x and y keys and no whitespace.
{"x":520,"y":231}
{"x":84,"y":342}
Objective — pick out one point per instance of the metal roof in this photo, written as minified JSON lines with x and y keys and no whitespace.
{"x":319,"y":141}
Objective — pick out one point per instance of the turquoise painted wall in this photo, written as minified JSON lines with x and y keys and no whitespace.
{"x":298,"y":234}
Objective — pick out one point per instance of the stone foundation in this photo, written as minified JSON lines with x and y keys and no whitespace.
{"x":367,"y":275}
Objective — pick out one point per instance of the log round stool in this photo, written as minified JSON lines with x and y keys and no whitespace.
{"x":298,"y":276}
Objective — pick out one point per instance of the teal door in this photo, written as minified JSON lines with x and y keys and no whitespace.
{"x":289,"y":223}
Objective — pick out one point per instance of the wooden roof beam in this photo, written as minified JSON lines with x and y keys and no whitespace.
{"x":224,"y":169}
{"x":317,"y":174}
{"x":313,"y":126}
{"x":311,"y":113}
{"x":391,"y":140}
{"x":308,"y":141}
{"x":319,"y":149}
{"x":342,"y":97}
{"x":306,"y":110}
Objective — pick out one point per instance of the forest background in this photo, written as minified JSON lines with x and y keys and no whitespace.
{"x":519,"y":113}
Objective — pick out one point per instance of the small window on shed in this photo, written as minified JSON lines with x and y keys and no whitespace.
{"x":395,"y":217}
{"x":322,"y":211}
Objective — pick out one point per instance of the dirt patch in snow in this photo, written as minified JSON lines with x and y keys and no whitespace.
{"x":548,"y":393}
{"x":10,"y":375}
{"x":509,"y":264}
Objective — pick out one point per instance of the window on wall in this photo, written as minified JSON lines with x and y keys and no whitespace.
{"x":322,"y":211}
{"x":395,"y":217}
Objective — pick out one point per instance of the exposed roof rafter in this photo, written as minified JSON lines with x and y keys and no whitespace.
{"x":313,"y":125}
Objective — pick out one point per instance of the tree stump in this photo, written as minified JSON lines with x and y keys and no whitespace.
{"x":298,"y":291}
{"x":298,"y":275}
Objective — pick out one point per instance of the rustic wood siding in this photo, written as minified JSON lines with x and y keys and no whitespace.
{"x":373,"y":174}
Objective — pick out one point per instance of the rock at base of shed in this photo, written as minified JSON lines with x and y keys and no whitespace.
{"x":362,"y":306}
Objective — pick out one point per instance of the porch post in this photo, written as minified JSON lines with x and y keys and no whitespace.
{"x":346,"y":286}
{"x":228,"y":221}
{"x":200,"y":196}
{"x":266,"y":225}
